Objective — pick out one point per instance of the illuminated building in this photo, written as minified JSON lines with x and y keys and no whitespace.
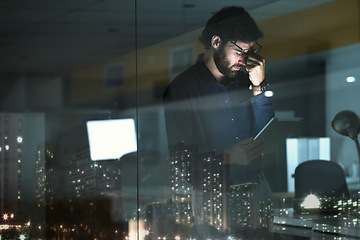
{"x":224,"y":206}
{"x":96,"y":184}
{"x":247,"y":211}
{"x":159,"y":219}
{"x":244,"y":212}
{"x":11,"y":165}
{"x":266,"y":213}
{"x":53,"y":174}
{"x":182,"y":158}
{"x":48,"y":187}
{"x":89,"y":179}
{"x":213,"y":185}
{"x":40,"y":175}
{"x":210,"y":180}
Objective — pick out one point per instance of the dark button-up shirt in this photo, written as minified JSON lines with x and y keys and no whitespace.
{"x":199,"y":110}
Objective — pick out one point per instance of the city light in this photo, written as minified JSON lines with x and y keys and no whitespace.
{"x":4,"y":226}
{"x":7,"y":216}
{"x":19,"y":139}
{"x":136,"y":227}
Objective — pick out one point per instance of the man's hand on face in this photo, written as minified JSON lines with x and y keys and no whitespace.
{"x":244,"y":152}
{"x":255,"y":65}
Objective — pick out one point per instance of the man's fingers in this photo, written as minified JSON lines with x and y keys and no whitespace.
{"x":255,"y":149}
{"x":250,"y":66}
{"x":254,"y":60}
{"x":248,"y":150}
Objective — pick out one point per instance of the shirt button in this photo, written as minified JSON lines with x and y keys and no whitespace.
{"x":232,"y":119}
{"x":226,"y":101}
{"x":236,"y":137}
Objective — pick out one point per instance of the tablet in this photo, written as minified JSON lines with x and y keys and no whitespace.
{"x":276,"y":131}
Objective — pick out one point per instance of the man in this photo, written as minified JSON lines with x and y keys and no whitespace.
{"x":210,"y":103}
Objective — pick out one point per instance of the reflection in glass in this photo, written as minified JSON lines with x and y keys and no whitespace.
{"x":66,"y":63}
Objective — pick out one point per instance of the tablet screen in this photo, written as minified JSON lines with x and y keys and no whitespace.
{"x":276,"y":131}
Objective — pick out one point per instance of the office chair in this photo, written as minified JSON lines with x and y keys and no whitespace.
{"x":324,"y":179}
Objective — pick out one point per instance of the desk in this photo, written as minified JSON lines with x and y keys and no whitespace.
{"x":316,"y":226}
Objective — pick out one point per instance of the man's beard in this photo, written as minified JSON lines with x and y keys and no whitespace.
{"x":223,"y":64}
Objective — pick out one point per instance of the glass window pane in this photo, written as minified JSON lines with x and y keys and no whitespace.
{"x":117,"y":121}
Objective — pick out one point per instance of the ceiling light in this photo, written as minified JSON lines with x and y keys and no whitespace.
{"x":350,"y":79}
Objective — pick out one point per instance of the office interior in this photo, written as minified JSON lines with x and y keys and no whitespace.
{"x":65,"y":64}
